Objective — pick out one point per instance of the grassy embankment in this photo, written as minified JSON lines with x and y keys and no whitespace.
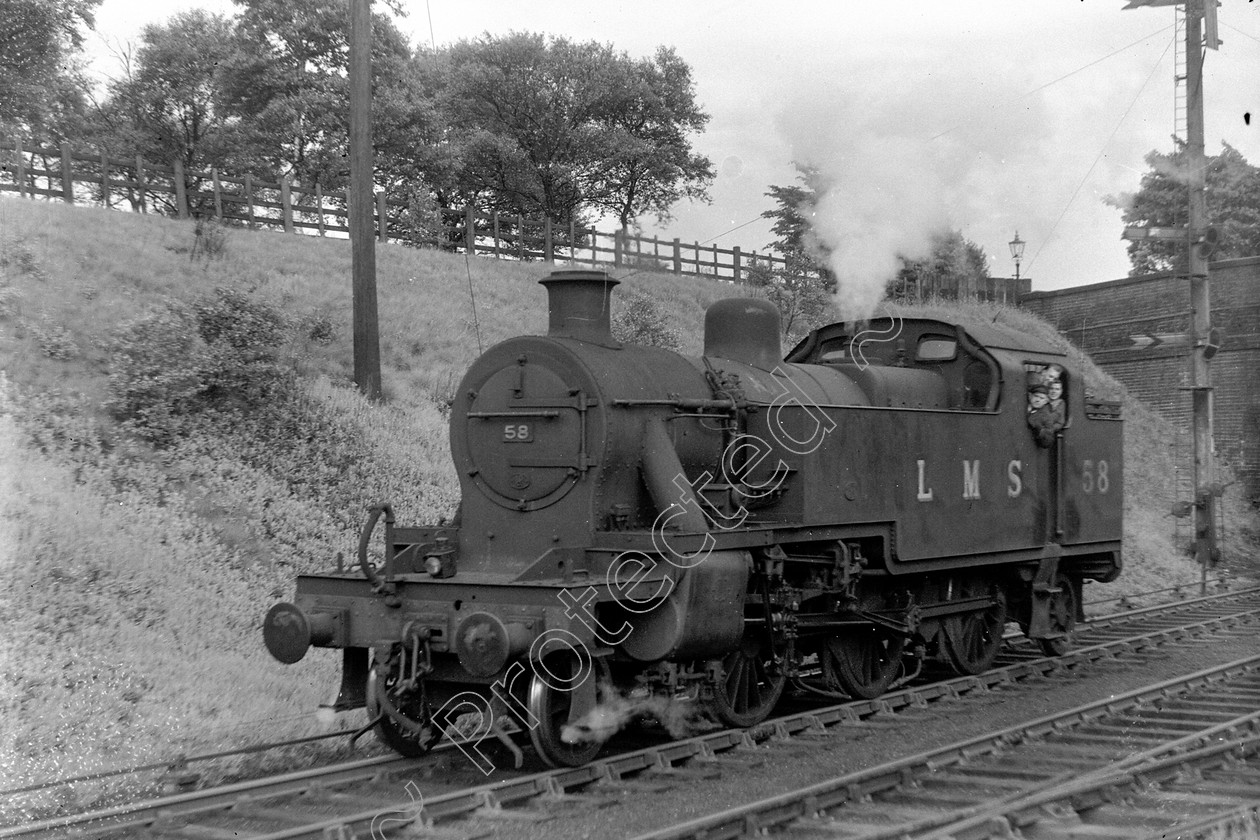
{"x":178,"y":439}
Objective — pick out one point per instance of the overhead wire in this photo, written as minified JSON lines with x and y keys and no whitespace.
{"x":1069,"y":75}
{"x":1100,"y":154}
{"x":1240,"y":32}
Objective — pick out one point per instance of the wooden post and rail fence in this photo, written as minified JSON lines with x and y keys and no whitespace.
{"x":80,"y":176}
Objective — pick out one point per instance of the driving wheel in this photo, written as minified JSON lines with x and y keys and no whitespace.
{"x":973,"y":640}
{"x":752,"y":683}
{"x":862,"y":662}
{"x":561,"y":692}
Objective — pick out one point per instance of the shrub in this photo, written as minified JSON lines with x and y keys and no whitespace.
{"x":15,"y":254}
{"x":56,"y":341}
{"x":157,"y":371}
{"x":210,"y":240}
{"x":243,"y":334}
{"x":221,"y":353}
{"x":642,"y":321}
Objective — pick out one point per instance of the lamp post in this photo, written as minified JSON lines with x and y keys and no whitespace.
{"x":1017,"y":252}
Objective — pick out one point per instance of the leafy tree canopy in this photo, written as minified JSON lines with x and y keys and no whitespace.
{"x":288,"y":83}
{"x":1162,"y":200}
{"x":955,"y":264}
{"x":40,"y":84}
{"x":550,"y":127}
{"x":168,"y":103}
{"x":792,"y":214}
{"x":524,"y":123}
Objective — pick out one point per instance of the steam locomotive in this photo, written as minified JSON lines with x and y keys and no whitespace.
{"x":721,"y":527}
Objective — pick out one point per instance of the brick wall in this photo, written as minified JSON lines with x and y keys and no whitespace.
{"x":1103,"y":318}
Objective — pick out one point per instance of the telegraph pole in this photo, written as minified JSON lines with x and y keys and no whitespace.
{"x":367,"y":348}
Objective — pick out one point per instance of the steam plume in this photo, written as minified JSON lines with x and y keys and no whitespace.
{"x":892,"y":173}
{"x":680,"y":717}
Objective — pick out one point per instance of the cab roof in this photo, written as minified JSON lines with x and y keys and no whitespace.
{"x":993,"y":336}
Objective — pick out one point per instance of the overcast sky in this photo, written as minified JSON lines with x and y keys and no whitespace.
{"x":988,"y":116}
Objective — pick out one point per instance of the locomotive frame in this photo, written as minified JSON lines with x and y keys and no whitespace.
{"x":636,"y":522}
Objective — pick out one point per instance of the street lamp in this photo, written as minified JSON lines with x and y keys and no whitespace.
{"x":1017,"y":252}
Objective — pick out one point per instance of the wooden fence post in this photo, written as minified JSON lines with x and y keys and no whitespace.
{"x":249,"y":199}
{"x":382,"y":210}
{"x":677,"y":255}
{"x":218,"y":194}
{"x":618,"y":245}
{"x":470,"y":230}
{"x":549,"y":242}
{"x":286,"y":203}
{"x":140,"y":184}
{"x":520,"y":239}
{"x":572,"y":241}
{"x":21,"y":168}
{"x":181,"y":190}
{"x":104,"y":180}
{"x":67,"y":175}
{"x":736,"y":265}
{"x":319,"y":202}
{"x":495,"y":222}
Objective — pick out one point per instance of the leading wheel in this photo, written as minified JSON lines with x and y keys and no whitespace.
{"x":752,"y":683}
{"x":561,"y":692}
{"x":1062,"y":617}
{"x":862,"y":662}
{"x":406,"y":725}
{"x":973,"y":640}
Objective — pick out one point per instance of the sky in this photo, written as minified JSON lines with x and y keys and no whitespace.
{"x":986,"y":116}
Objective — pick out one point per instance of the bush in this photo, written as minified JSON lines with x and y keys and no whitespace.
{"x":220,"y":353}
{"x":243,"y":335}
{"x":157,"y":372}
{"x":56,"y":341}
{"x":642,"y":321}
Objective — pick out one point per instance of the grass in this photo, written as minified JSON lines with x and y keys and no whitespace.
{"x":137,"y":569}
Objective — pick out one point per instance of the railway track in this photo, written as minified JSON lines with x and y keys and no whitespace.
{"x":348,"y":797}
{"x":1181,"y":755}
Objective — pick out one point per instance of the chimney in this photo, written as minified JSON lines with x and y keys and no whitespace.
{"x":578,"y":305}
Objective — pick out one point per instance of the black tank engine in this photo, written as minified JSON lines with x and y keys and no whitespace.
{"x":635,"y":522}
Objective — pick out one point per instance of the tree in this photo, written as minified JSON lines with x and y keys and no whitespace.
{"x":651,"y":164}
{"x":168,"y":105}
{"x":1162,"y":200}
{"x":287,"y":84}
{"x":954,"y":269}
{"x":803,"y":299}
{"x":549,"y":127}
{"x":40,"y":83}
{"x":795,"y":207}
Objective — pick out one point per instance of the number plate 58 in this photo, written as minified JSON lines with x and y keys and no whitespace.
{"x":518,"y":433}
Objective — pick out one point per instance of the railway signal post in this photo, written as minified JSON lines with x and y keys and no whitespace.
{"x":1201,"y":35}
